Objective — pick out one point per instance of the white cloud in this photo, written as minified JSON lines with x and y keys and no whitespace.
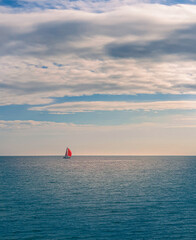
{"x":24,"y":124}
{"x":136,"y":49}
{"x":86,"y":5}
{"x":72,"y":107}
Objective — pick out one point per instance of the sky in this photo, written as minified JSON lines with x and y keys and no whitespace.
{"x":107,"y":77}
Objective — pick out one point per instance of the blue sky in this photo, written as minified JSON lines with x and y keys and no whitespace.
{"x":97,"y":67}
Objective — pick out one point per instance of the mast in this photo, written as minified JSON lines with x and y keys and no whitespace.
{"x":66,"y":152}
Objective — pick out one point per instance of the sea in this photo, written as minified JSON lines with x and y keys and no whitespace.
{"x":98,"y":198}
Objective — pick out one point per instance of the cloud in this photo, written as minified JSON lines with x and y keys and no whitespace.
{"x":179,"y":43}
{"x":142,"y":48}
{"x":173,"y":121}
{"x":85,"y":5}
{"x":62,"y":32}
{"x":72,"y":107}
{"x":19,"y":124}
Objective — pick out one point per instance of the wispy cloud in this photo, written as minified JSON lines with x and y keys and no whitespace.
{"x":72,"y":107}
{"x":174,"y":121}
{"x":85,"y":5}
{"x":19,"y":124}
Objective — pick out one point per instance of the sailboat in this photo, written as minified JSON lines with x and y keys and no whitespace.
{"x":68,"y":153}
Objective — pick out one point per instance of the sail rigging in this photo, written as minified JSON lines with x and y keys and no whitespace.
{"x":68,"y":153}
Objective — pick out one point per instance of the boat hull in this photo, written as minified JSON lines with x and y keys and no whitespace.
{"x":66,"y":157}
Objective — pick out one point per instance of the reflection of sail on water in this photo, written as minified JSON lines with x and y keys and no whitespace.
{"x":68,"y":153}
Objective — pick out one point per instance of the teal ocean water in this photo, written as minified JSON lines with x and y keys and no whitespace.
{"x":98,"y":198}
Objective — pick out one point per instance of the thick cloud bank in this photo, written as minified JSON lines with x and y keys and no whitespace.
{"x":142,"y":48}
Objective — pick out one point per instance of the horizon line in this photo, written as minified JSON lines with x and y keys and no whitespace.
{"x":106,"y":155}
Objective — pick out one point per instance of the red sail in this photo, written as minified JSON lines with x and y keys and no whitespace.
{"x":69,"y":153}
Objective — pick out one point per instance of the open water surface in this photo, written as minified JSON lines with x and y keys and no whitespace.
{"x":98,"y":198}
